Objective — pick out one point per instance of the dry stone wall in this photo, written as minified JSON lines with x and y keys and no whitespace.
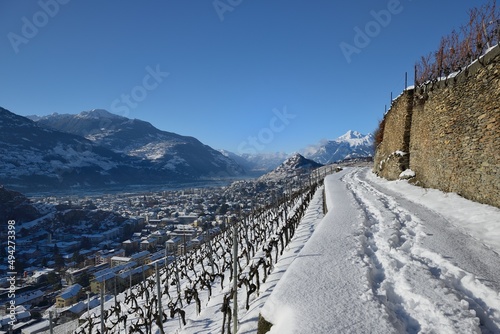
{"x":450,"y":132}
{"x":391,"y":156}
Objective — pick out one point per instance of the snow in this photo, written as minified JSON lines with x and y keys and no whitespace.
{"x":373,"y":265}
{"x":354,"y":138}
{"x":98,"y":114}
{"x":350,"y":145}
{"x":478,"y":220}
{"x":30,"y":225}
{"x":387,"y":257}
{"x":322,"y":290}
{"x":407,"y":174}
{"x":454,"y":74}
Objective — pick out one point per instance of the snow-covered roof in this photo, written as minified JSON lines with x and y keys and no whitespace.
{"x":26,"y":297}
{"x":71,"y":291}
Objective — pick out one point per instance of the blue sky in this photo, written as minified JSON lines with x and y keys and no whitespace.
{"x":240,"y":75}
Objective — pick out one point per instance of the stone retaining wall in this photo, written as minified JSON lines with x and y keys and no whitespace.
{"x":449,"y":132}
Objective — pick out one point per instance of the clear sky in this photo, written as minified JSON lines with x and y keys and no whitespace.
{"x":240,"y":75}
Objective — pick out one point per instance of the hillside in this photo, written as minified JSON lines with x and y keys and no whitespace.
{"x":99,"y":150}
{"x":15,"y":206}
{"x":296,"y":165}
{"x":184,"y":155}
{"x":36,"y":158}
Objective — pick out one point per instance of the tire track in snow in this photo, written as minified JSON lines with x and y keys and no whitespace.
{"x":413,"y":288}
{"x":474,"y":273}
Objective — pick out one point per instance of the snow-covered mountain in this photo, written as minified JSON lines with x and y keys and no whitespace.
{"x":99,"y":149}
{"x":258,"y":163}
{"x":32,"y":156}
{"x":293,"y":166}
{"x":350,"y":145}
{"x":169,"y":151}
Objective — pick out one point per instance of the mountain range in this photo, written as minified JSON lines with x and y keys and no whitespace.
{"x":350,"y":145}
{"x":34,"y":157}
{"x":98,"y":149}
{"x":166,"y":151}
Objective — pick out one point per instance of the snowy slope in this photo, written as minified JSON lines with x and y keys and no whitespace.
{"x":383,"y":261}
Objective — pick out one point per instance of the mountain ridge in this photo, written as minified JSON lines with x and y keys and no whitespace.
{"x":350,"y":145}
{"x":37,"y":157}
{"x":34,"y":156}
{"x":185,"y":155}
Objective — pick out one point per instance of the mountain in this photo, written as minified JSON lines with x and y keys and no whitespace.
{"x":258,"y":163}
{"x":293,"y":166}
{"x":350,"y":145}
{"x":167,"y":151}
{"x":14,"y":205}
{"x":36,"y":157}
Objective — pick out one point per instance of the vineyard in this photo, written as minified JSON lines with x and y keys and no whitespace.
{"x":184,"y":285}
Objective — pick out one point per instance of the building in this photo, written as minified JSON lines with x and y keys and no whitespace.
{"x":113,"y":233}
{"x":39,"y":327}
{"x":38,"y":276}
{"x":104,"y":256}
{"x":146,"y":244}
{"x":141,"y":257}
{"x":69,"y":296}
{"x":171,"y":245}
{"x":63,"y":247}
{"x":94,"y":238}
{"x":72,"y":275}
{"x":119,"y":260}
{"x":132,"y":277}
{"x":29,"y":298}
{"x":130,"y":245}
{"x":187,"y":219}
{"x":106,"y":277}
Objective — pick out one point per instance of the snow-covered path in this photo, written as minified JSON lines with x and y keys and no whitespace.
{"x":381,"y":262}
